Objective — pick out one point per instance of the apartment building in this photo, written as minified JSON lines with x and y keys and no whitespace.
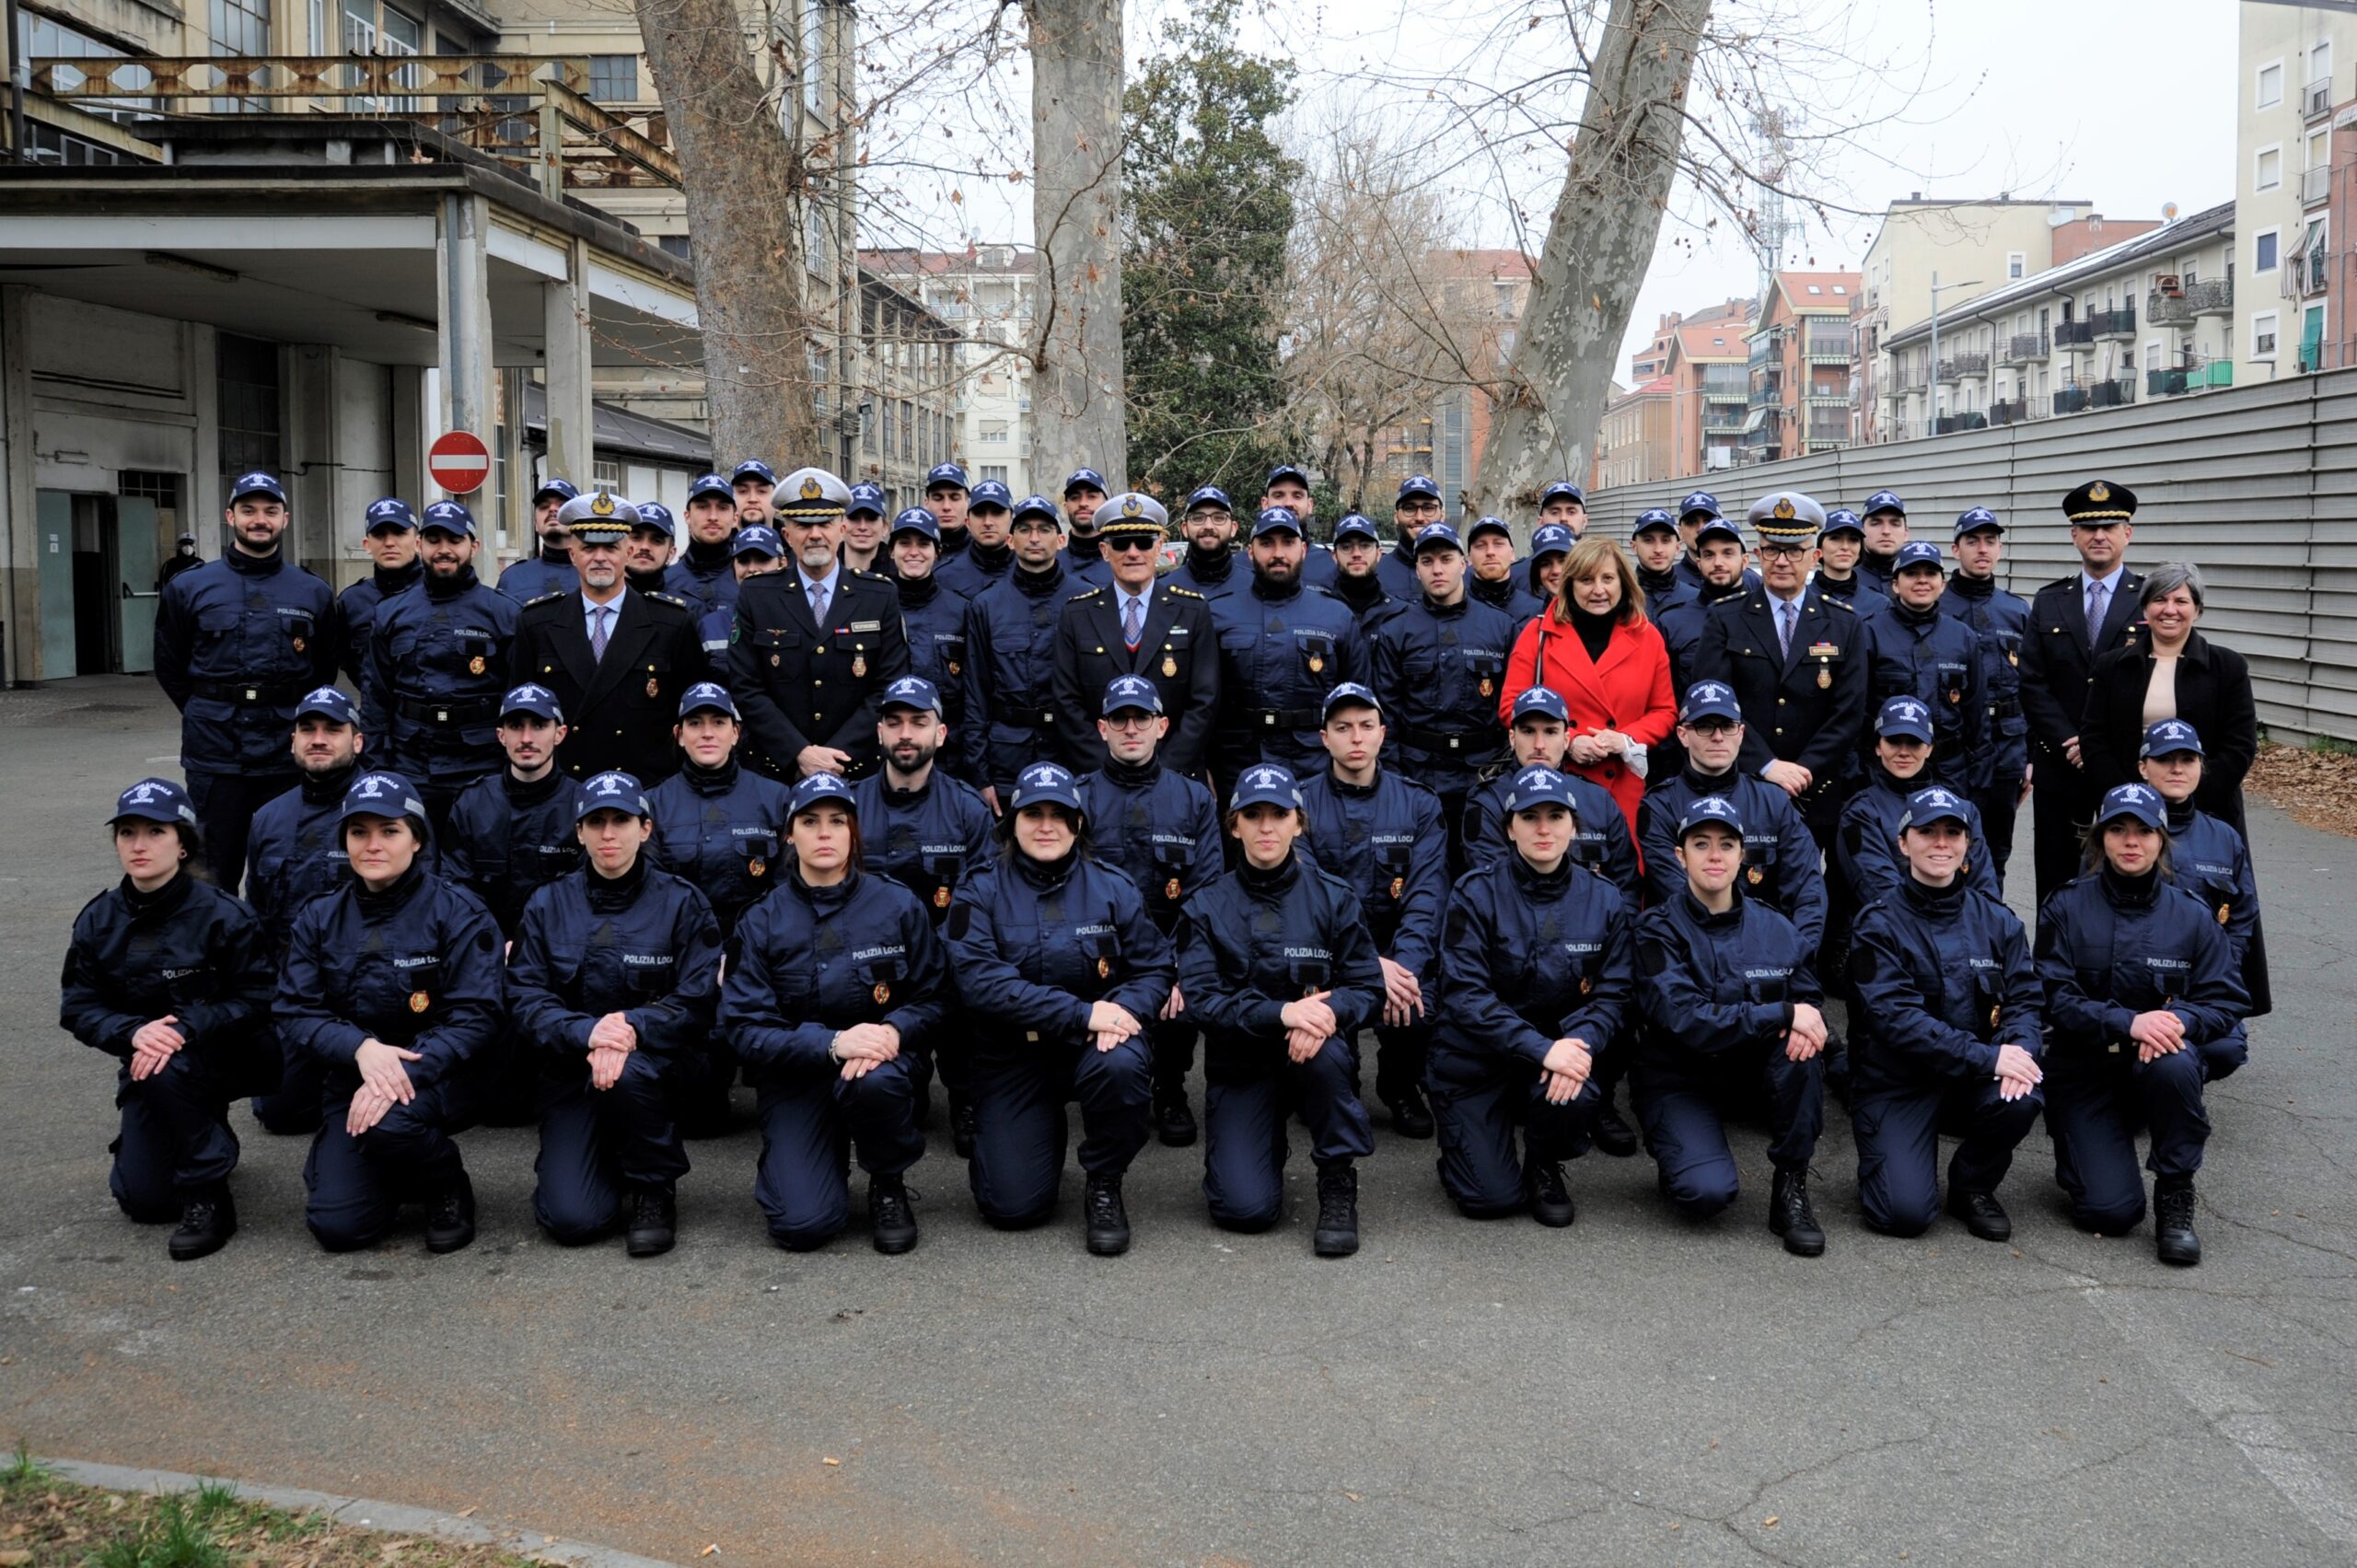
{"x":1709,"y":393}
{"x":2298,"y":66}
{"x":984,"y":294}
{"x":1634,"y":444}
{"x":1796,"y":367}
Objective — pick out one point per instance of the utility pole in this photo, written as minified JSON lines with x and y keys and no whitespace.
{"x":837,"y":29}
{"x":1936,"y":287}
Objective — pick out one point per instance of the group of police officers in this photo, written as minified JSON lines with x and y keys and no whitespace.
{"x":836,"y":802}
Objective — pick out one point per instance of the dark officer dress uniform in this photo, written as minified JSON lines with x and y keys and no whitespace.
{"x":2058,"y":661}
{"x":1035,"y":944}
{"x":1531,"y":958}
{"x":238,"y":641}
{"x":1011,"y":675}
{"x":1177,"y":650}
{"x":644,"y":945}
{"x":417,"y":966}
{"x":192,"y":953}
{"x":1251,"y":943}
{"x":1934,"y":658}
{"x":1437,"y":669}
{"x":1682,"y":625}
{"x":1715,"y":994}
{"x":1282,"y":648}
{"x":805,"y":964}
{"x":2108,"y":948}
{"x":1942,"y":978}
{"x":437,"y":667}
{"x":2001,"y":621}
{"x":1807,"y":706}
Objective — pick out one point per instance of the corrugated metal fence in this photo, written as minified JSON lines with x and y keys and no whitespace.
{"x":2256,"y":485}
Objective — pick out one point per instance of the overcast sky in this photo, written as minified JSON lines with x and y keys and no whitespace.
{"x":2122,"y":104}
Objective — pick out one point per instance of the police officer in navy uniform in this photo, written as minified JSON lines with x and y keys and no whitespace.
{"x":934,"y":620}
{"x":1438,"y":661}
{"x":1535,"y":974}
{"x":867,"y":543}
{"x":1358,"y":557}
{"x":2208,"y":859}
{"x":1698,"y":507}
{"x":1865,"y":860}
{"x":2074,"y":622}
{"x":1011,"y":630}
{"x":1946,"y":1035}
{"x":1210,"y":566}
{"x":617,"y":658}
{"x":947,"y":498}
{"x":990,"y":511}
{"x":389,"y":536}
{"x":237,"y":642}
{"x":1418,"y":506}
{"x":439,"y":663}
{"x":756,"y":485}
{"x":1282,"y":647}
{"x":1288,"y":486}
{"x":816,"y":644}
{"x":1491,"y":578}
{"x":1550,"y":546}
{"x":1882,"y":520}
{"x":549,"y":570}
{"x":1914,"y":650}
{"x":1717,"y":557}
{"x":1060,"y":968}
{"x":1137,"y":624}
{"x":613,"y":979}
{"x":1161,"y":829}
{"x":1839,"y":544}
{"x":1656,"y":551}
{"x":753,"y":551}
{"x":647,"y":552}
{"x":294,"y":853}
{"x":705,"y":576}
{"x":513,"y":833}
{"x":1085,"y":502}
{"x":1386,"y":836}
{"x":2001,"y":621}
{"x":172,"y":978}
{"x":1601,"y":842}
{"x":1799,"y":676}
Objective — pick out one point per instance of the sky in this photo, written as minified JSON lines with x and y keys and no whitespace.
{"x":2123,"y":105}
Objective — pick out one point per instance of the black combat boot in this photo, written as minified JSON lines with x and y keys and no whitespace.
{"x":1982,"y":1213}
{"x":1174,"y":1122}
{"x":1789,"y":1216}
{"x":1410,"y":1116}
{"x":654,"y":1223}
{"x":450,"y":1216}
{"x":1108,"y":1220}
{"x":207,"y":1224}
{"x":1612,"y":1133}
{"x":2173,"y":1236}
{"x":1338,"y":1211}
{"x":891,"y":1222}
{"x":961,"y":1128}
{"x":1550,"y":1201}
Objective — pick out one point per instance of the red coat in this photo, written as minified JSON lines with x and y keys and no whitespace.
{"x":1627,"y":689}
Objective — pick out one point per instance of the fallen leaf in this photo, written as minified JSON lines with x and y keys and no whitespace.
{"x":469,"y":1511}
{"x":830,"y":1462}
{"x":1770,"y":1522}
{"x":15,"y":1557}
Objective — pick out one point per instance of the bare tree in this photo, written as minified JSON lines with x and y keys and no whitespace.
{"x":1077,"y":412}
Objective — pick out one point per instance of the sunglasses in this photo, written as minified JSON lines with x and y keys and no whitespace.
{"x":1124,"y":544}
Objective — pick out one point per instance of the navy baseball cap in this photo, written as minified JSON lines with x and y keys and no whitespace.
{"x":1538,"y":785}
{"x":2170,"y":735}
{"x":1916,"y":552}
{"x":392,"y":511}
{"x":1653,"y":517}
{"x":1979,"y":520}
{"x":1905,"y":717}
{"x":1926,"y":806}
{"x":1698,"y":500}
{"x":327,"y":702}
{"x":1710,"y":700}
{"x":944,"y":473}
{"x":1265,"y":783}
{"x":1883,"y":501}
{"x":1210,"y":496}
{"x":387,"y":794}
{"x":1275,"y":520}
{"x":1544,"y":701}
{"x":712,"y":485}
{"x":865,"y":498}
{"x":990,"y":492}
{"x":916,"y":519}
{"x":1418,"y":484}
{"x":531,"y":698}
{"x":257,"y":483}
{"x":1353,"y":525}
{"x":1045,"y":784}
{"x":155,"y":800}
{"x":1549,"y":539}
{"x":708,"y":696}
{"x":562,"y":489}
{"x":1080,"y":477}
{"x":450,"y":518}
{"x":1842,"y":520}
{"x":611,"y":791}
{"x":1438,"y":536}
{"x":1714,"y":524}
{"x":2140,"y":801}
{"x":820,"y":789}
{"x":1128,"y":692}
{"x":758,"y":538}
{"x":1708,"y":809}
{"x":656,"y":516}
{"x":1561,"y":490}
{"x":1487,"y":525}
{"x":913,"y":692}
{"x":1350,"y":693}
{"x":1036,"y":505}
{"x":753,"y":468}
{"x":1286,"y":470}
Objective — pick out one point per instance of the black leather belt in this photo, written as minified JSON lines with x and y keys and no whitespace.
{"x":274,"y":694}
{"x":455,"y":710}
{"x":1443,"y":740}
{"x":1037,"y":718}
{"x":1283,"y":718}
{"x":2006,"y":708}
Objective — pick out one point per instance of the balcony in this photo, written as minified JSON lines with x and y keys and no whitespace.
{"x":2112,"y":394}
{"x":1826,"y":346}
{"x":2316,"y":101}
{"x":2109,"y":324}
{"x":2315,"y":186}
{"x":2074,"y":335}
{"x":1715,"y":419}
{"x":1951,"y":423}
{"x":2012,"y":410}
{"x":2161,"y":310}
{"x":1971,"y":367}
{"x":2211,"y":296}
{"x":1908,"y":377}
{"x":2164,"y":383}
{"x":2217,"y":373}
{"x":2024,"y":348}
{"x":1720,"y":389}
{"x":2072,"y":400}
{"x":1769,"y":395}
{"x":1947,"y":375}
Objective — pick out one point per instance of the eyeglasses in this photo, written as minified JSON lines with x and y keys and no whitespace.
{"x":1126,"y":543}
{"x":1784,"y":550}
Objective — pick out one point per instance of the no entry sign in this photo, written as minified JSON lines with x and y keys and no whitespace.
{"x":459,"y":462}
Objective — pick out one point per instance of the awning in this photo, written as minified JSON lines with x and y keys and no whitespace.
{"x":1757,"y":418}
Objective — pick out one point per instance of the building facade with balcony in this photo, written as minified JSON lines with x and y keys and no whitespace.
{"x":1634,"y":444}
{"x":1709,"y":393}
{"x":984,"y":294}
{"x":1797,"y":368}
{"x":2297,"y":68}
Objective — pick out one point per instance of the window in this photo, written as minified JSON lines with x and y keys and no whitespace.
{"x":2017,"y":264}
{"x":246,"y":384}
{"x":2262,"y":336}
{"x":994,"y":432}
{"x":2320,"y":67}
{"x":2262,"y":256}
{"x":994,"y":470}
{"x":613,"y":78}
{"x":673,"y":245}
{"x":2267,"y":171}
{"x":2152,"y":356}
{"x":2270,"y":85}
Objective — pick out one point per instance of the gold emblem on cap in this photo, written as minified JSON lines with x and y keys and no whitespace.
{"x":2098,"y":490}
{"x":1783,"y":508}
{"x":603,"y":505}
{"x":810,"y":488}
{"x":1131,"y":506}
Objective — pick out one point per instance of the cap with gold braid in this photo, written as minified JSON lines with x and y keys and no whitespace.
{"x":810,"y":494}
{"x":2100,"y":501}
{"x":1132,"y":513}
{"x":1787,"y":517}
{"x":601,"y":516}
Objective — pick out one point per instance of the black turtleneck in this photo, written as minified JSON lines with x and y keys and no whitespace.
{"x":326,"y":789}
{"x":522,"y":792}
{"x":917,"y":592}
{"x":2180,"y":813}
{"x":403,"y":889}
{"x":1273,"y":882}
{"x":1939,"y":903}
{"x":896,"y":796}
{"x":709,"y":781}
{"x":1701,"y":782}
{"x":1828,"y":583}
{"x":1359,"y":593}
{"x":1274,"y":592}
{"x":1971,"y":587}
{"x":954,"y":542}
{"x":1898,"y":785}
{"x":609,"y":895}
{"x":823,"y":901}
{"x":1657,"y":585}
{"x":163,"y":899}
{"x":2133,"y":892}
{"x":706,"y":559}
{"x":1084,"y":548}
{"x":1210,"y":565}
{"x":993,"y":560}
{"x":392,"y":580}
{"x":438,"y":587}
{"x":1132,"y":775}
{"x":1046,"y":875}
{"x":554,"y":554}
{"x":1879,"y":567}
{"x":1543,"y":886}
{"x":1039,"y":585}
{"x":1349,"y":790}
{"x":1446,"y":611}
{"x":1595,"y":631}
{"x":1712,"y":593}
{"x":1498,"y":593}
{"x":644,"y":582}
{"x":1911,"y":616}
{"x":254,"y":565}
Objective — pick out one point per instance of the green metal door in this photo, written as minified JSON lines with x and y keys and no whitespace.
{"x":135,"y":554}
{"x":53,"y":564}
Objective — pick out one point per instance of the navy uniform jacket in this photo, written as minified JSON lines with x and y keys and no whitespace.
{"x":1711,"y":984}
{"x":1999,"y":620}
{"x":1879,"y":573}
{"x":1255,"y":941}
{"x":704,"y":581}
{"x":355,"y":619}
{"x":1087,"y":566}
{"x":1365,"y":598}
{"x":417,"y":966}
{"x":1780,"y":866}
{"x":1664,"y":592}
{"x":1389,"y":842}
{"x":1808,"y":709}
{"x":1214,"y":577}
{"x":1319,"y":567}
{"x":506,"y":839}
{"x":1682,"y":631}
{"x":2110,"y":948}
{"x":802,"y":684}
{"x":808,"y":963}
{"x":934,"y":620}
{"x":237,"y":642}
{"x":1177,"y":650}
{"x":1281,"y":650}
{"x":1033,"y":946}
{"x":1159,"y":829}
{"x":1942,"y":978}
{"x":1603,"y":845}
{"x":1532,"y":957}
{"x":538,"y":576}
{"x":1507,"y":596}
{"x":2057,"y":663}
{"x":931,"y":839}
{"x":2211,"y":861}
{"x":1011,"y":718}
{"x":722,"y":829}
{"x":1936,"y":658}
{"x":437,"y":668}
{"x":972,"y":571}
{"x":1866,"y":849}
{"x":295,"y":853}
{"x":188,"y":951}
{"x":1859,"y":591}
{"x":1396,"y":570}
{"x":618,"y":710}
{"x":1438,"y":670}
{"x":644,"y":945}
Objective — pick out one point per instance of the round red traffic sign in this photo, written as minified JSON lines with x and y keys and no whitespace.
{"x":459,"y":462}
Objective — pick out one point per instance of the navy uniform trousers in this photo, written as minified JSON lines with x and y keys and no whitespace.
{"x":1243,"y":1132}
{"x":596,"y":1145}
{"x":175,"y":1140}
{"x":1685,"y":1127}
{"x":357,"y":1185}
{"x":2094,"y":1107}
{"x":810,"y":1123}
{"x":1899,"y":1146}
{"x":1021,"y":1129}
{"x":1479,"y":1165}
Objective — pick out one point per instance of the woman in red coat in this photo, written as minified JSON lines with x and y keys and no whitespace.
{"x":1595,"y":648}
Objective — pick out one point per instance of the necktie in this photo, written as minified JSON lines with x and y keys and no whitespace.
{"x":1132,"y":624}
{"x":597,"y":633}
{"x":2096,"y":593}
{"x":1784,"y":625}
{"x":819,"y":605}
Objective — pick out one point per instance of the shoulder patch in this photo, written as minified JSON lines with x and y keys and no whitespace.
{"x":548,"y":598}
{"x":1093,"y":593}
{"x":672,"y":600}
{"x":1180,"y":592}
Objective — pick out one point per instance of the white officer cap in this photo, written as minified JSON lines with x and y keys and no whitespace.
{"x":810,"y":493}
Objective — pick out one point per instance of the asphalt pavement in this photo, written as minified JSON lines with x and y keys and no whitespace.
{"x":1635,"y":1388}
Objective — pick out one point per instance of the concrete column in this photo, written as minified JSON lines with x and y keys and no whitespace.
{"x":315,"y":459}
{"x":201,"y":509}
{"x":463,"y":332}
{"x":409,"y":440}
{"x":514,"y":509}
{"x":20,"y":602}
{"x":565,"y":311}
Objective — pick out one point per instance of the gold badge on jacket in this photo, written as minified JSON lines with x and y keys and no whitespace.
{"x":1587,"y":986}
{"x":475,"y":665}
{"x":1170,"y":889}
{"x":1317,"y":662}
{"x":1489,"y":687}
{"x":941,"y":897}
{"x":1170,"y":664}
{"x":858,"y":665}
{"x":1399,"y":886}
{"x":1824,"y":677}
{"x":1992,"y":1013}
{"x":653,"y":687}
{"x":756,"y":866}
{"x":2224,"y":911}
{"x":1104,"y":967}
{"x":419,"y":1002}
{"x":1757,"y":876}
{"x":298,"y":644}
{"x":883,"y":993}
